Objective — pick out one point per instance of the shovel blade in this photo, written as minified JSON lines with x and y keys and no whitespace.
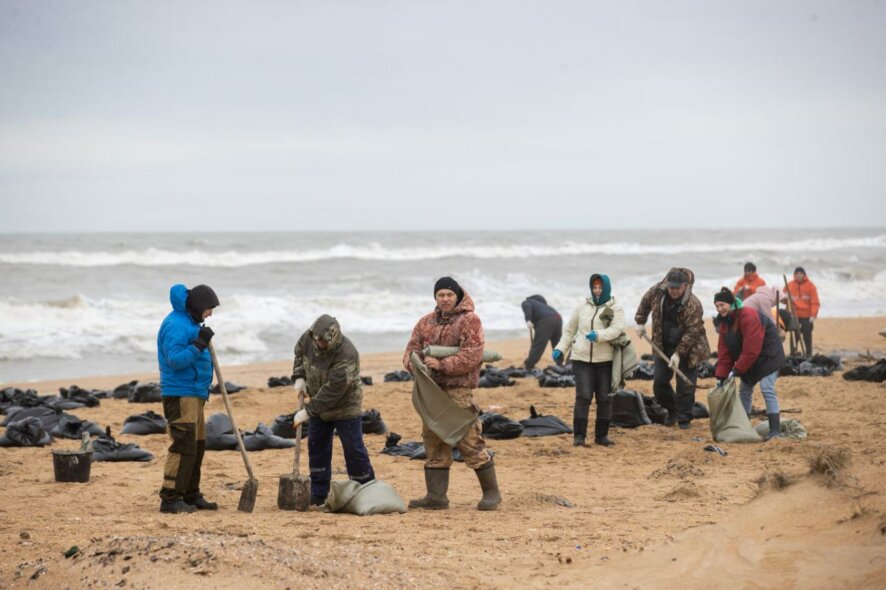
{"x":248,"y":496}
{"x":294,"y":492}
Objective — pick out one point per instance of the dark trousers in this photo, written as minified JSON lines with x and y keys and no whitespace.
{"x":187,"y":430}
{"x":806,"y":330}
{"x":350,"y":433}
{"x":547,"y":329}
{"x":677,"y":404}
{"x":591,"y":379}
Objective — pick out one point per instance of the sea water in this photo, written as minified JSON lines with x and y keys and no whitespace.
{"x":91,"y":304}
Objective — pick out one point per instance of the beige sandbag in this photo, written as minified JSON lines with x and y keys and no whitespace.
{"x":789,"y":429}
{"x":441,"y":352}
{"x":729,"y":423}
{"x":372,"y":497}
{"x":443,"y":416}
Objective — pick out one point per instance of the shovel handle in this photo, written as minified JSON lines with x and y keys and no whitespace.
{"x":679,"y":373}
{"x":224,"y":392}
{"x":301,"y":405}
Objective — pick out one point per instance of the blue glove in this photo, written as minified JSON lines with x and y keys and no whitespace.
{"x":558,"y":357}
{"x":592,"y":335}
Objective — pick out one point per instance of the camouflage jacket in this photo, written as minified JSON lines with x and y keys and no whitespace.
{"x":461,"y":327}
{"x":332,"y":376}
{"x":693,"y":344}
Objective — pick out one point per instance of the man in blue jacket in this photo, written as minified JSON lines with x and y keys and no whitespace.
{"x":185,"y":377}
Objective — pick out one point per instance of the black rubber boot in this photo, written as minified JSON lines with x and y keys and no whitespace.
{"x":200,"y":503}
{"x":774,"y":426}
{"x":601,"y":433}
{"x":437,"y":483}
{"x":489,"y":484}
{"x":176,"y":507}
{"x":579,"y":431}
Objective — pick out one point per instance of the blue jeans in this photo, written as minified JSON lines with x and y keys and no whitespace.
{"x":767,"y":387}
{"x":350,"y":433}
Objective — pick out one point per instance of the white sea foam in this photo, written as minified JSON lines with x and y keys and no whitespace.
{"x":373,"y":251}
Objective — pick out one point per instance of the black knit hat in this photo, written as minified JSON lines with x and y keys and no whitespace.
{"x":724,"y":296}
{"x":449,"y":283}
{"x":200,"y":298}
{"x":800,"y":269}
{"x":750,"y":267}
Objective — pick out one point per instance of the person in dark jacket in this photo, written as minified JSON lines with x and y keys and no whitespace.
{"x":327,"y":367}
{"x":678,"y":330}
{"x":185,"y":377}
{"x":545,"y":325}
{"x":750,"y":349}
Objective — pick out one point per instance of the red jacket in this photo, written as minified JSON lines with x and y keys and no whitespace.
{"x":745,"y":288}
{"x":461,"y":327}
{"x":805,"y":297}
{"x":749,"y":345}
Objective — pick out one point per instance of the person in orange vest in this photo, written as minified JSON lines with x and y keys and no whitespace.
{"x":805,"y":300}
{"x":749,"y":283}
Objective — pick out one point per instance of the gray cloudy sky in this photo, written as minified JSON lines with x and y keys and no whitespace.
{"x":133,"y":115}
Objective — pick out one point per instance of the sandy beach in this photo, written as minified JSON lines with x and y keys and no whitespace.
{"x":654,"y":511}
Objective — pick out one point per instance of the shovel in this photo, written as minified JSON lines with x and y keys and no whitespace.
{"x":294,"y":491}
{"x":679,"y":373}
{"x":250,"y":488}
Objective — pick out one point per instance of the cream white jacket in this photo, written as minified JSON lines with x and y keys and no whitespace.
{"x":607,"y":319}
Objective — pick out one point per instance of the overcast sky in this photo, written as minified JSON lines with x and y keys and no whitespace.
{"x":134,"y":115}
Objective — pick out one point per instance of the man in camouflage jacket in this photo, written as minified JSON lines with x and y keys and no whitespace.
{"x":678,"y":330}
{"x":453,"y":323}
{"x":327,"y":368}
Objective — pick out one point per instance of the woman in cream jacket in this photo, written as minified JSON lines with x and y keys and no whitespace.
{"x":593,"y":325}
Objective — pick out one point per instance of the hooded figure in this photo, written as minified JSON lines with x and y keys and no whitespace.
{"x":677,"y":330}
{"x":453,"y":323}
{"x":185,"y":376}
{"x":545,"y":325}
{"x":587,"y":339}
{"x":327,"y":368}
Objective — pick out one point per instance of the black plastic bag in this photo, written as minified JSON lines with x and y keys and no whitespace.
{"x":143,"y":424}
{"x":372,"y":422}
{"x":27,"y":432}
{"x":541,"y":425}
{"x":499,"y":427}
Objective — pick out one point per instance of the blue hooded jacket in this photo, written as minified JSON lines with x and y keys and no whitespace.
{"x":607,"y":289}
{"x":185,"y":371}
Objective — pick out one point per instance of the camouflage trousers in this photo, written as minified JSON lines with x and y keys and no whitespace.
{"x":187,"y":430}
{"x":472,"y":446}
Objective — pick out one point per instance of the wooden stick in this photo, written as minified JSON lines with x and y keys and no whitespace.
{"x":679,"y":373}
{"x":224,"y":392}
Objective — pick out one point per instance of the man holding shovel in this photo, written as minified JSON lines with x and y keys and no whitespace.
{"x":327,"y":368}
{"x":678,"y":331}
{"x":185,"y":376}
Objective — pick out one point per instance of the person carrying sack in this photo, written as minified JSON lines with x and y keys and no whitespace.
{"x":588,"y":335}
{"x":453,"y":323}
{"x":678,"y":330}
{"x":185,"y":376}
{"x":749,"y":348}
{"x":327,"y":368}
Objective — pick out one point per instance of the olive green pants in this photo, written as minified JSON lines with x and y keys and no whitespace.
{"x":187,"y":430}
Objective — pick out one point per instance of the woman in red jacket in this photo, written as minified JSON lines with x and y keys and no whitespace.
{"x":750,"y":349}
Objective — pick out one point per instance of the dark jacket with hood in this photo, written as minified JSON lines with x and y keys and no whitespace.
{"x":692,"y":340}
{"x":536,"y":308}
{"x":185,"y":370}
{"x":749,"y":345}
{"x":332,"y":376}
{"x":461,"y":327}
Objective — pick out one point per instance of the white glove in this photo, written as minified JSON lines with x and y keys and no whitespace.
{"x":811,"y":320}
{"x":299,"y":385}
{"x":675,"y":361}
{"x":300,"y":418}
{"x":641,"y":330}
{"x":530,"y":325}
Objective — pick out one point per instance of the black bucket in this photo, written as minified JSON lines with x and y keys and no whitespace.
{"x":71,"y":465}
